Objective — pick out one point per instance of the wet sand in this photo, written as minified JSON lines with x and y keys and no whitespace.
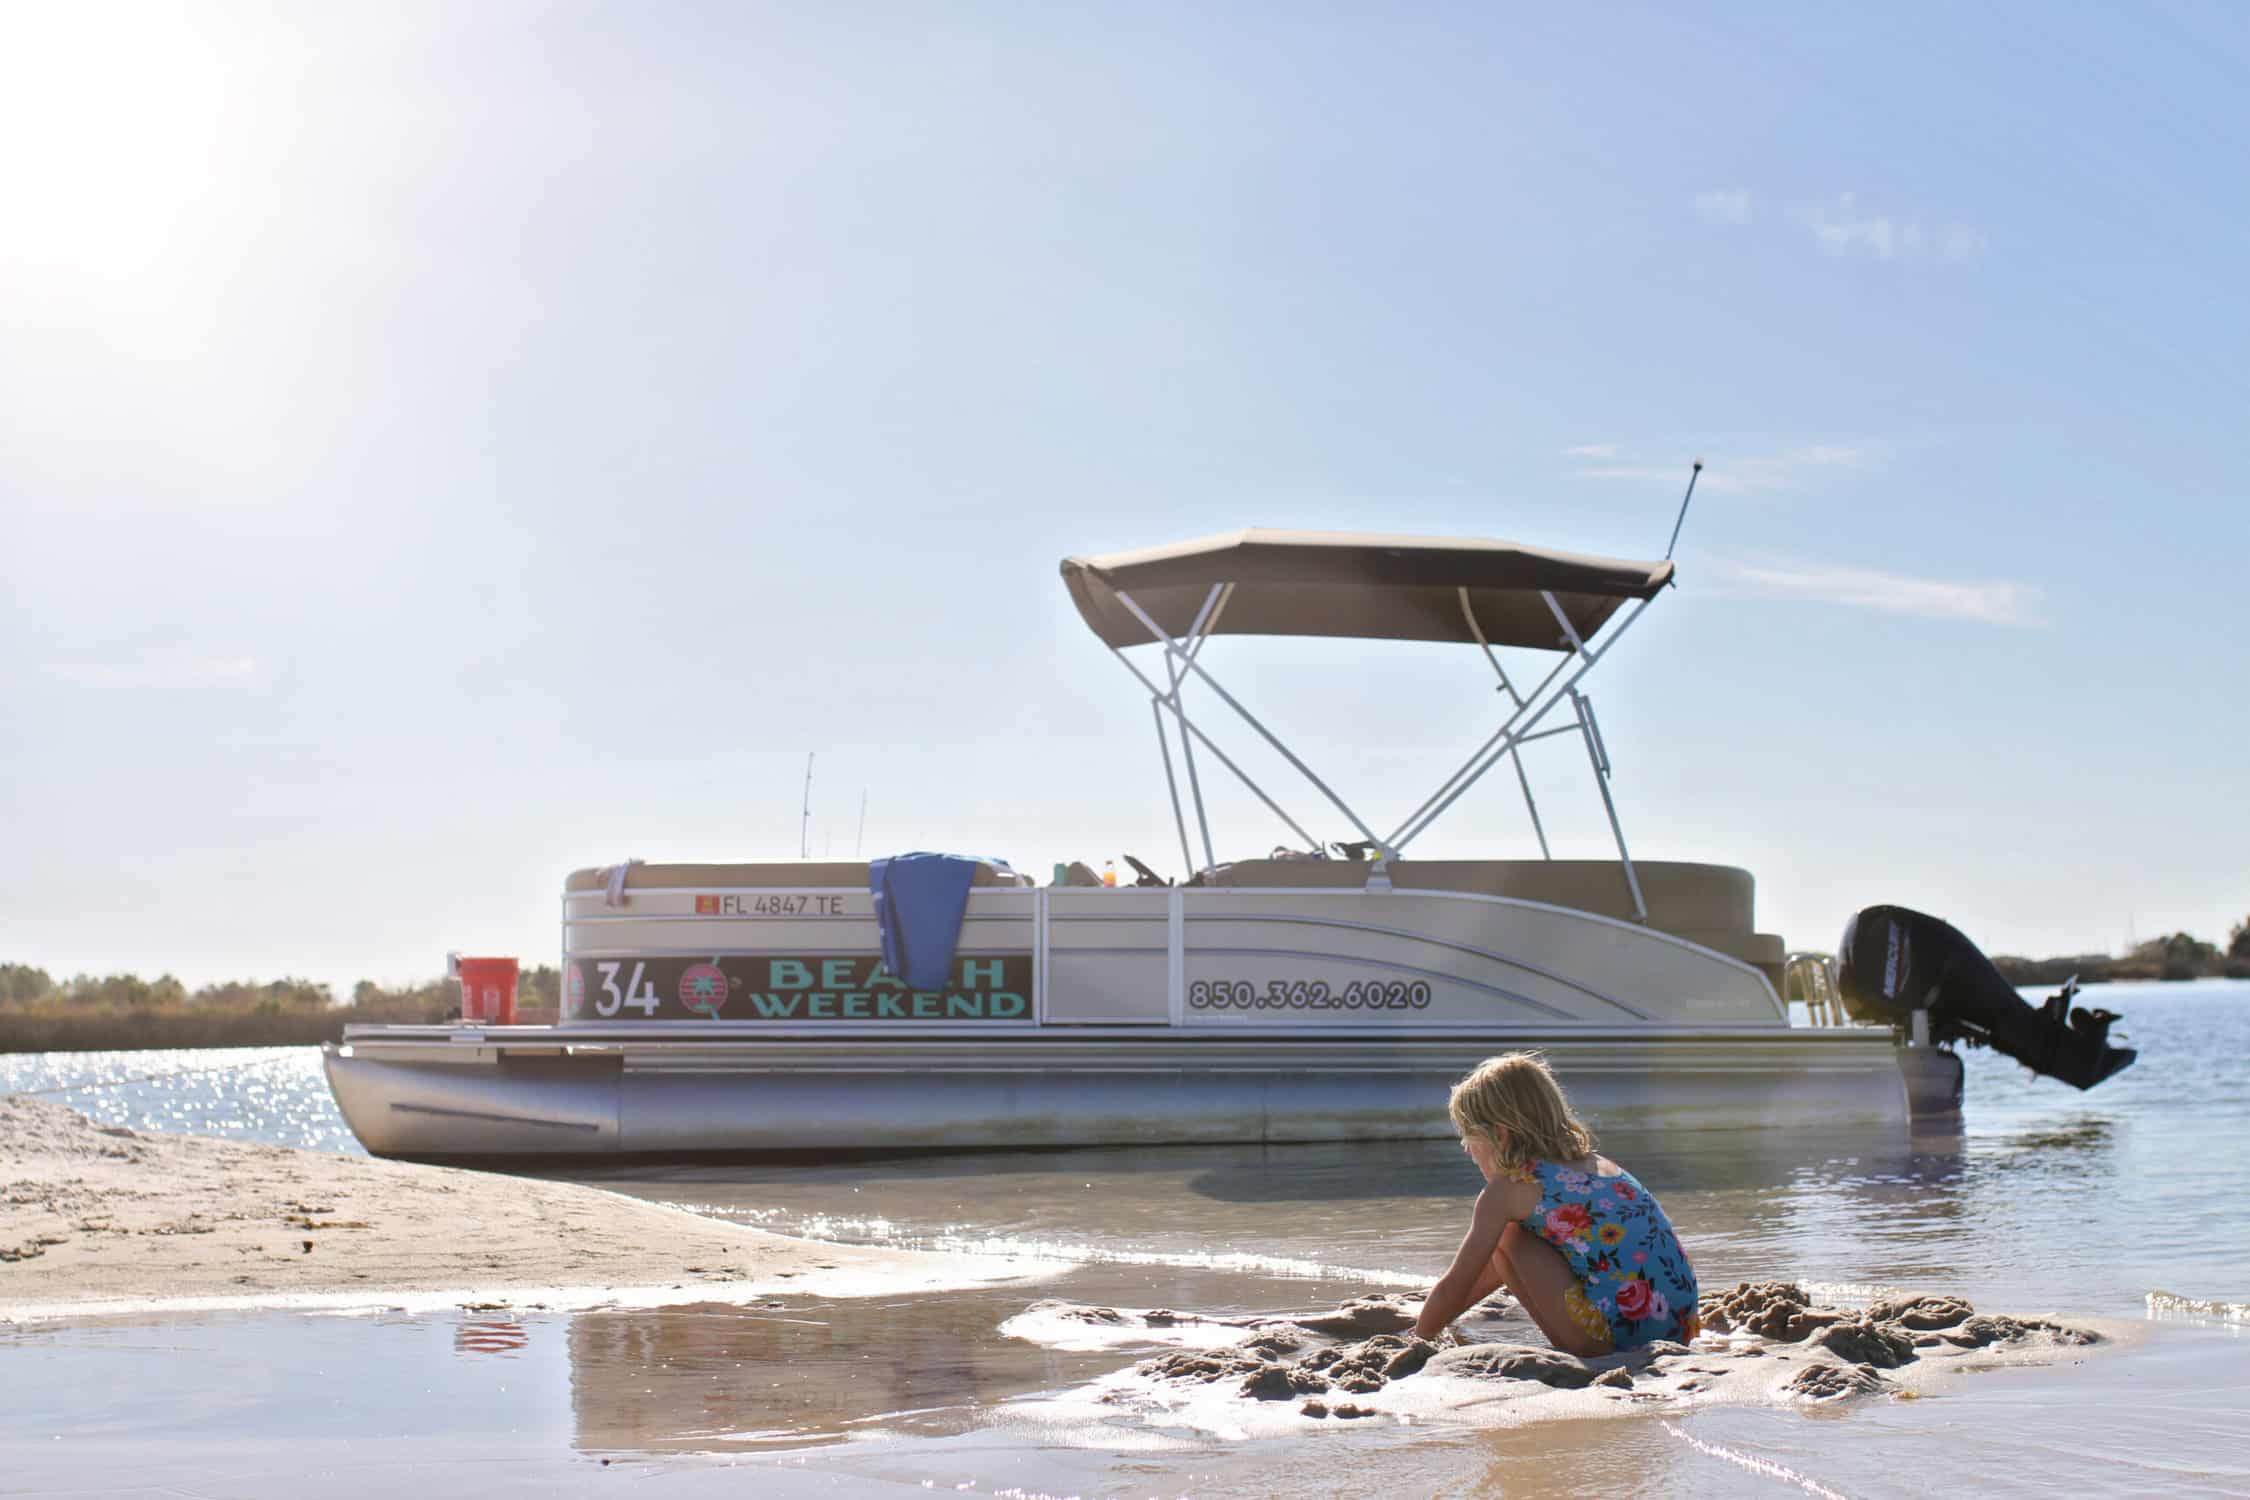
{"x":98,"y":1219}
{"x":1767,"y":1343}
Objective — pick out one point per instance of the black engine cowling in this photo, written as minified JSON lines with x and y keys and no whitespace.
{"x":1893,"y":962}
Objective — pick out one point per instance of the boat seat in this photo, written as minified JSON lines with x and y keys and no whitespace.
{"x":1680,"y":896}
{"x":792,"y":874}
{"x":1712,"y":905}
{"x":1080,"y":873}
{"x":1761,"y":950}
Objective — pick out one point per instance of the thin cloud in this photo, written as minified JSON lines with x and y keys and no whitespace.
{"x":1991,"y":601}
{"x":1775,"y":471}
{"x":169,"y":668}
{"x":1737,"y":207}
{"x":1591,"y":450}
{"x":1838,"y":227}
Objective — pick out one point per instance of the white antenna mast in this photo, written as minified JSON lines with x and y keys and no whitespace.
{"x":804,"y":820}
{"x":1693,"y":475}
{"x":861,"y":841}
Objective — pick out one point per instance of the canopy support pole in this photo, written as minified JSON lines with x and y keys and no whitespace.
{"x":1159,"y":699}
{"x":1174,"y":657}
{"x":1498,"y":735}
{"x":1188,"y":663}
{"x":1514,"y":732}
{"x":1515,"y":751}
{"x":1172,"y":785}
{"x":1156,"y":695}
{"x":1598,"y":753}
{"x":1537,"y":827}
{"x":1570,"y":631}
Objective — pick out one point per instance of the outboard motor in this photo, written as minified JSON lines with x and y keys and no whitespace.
{"x":1893,"y":962}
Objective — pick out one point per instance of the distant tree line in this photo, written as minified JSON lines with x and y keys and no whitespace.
{"x":89,"y":1013}
{"x":2179,"y":955}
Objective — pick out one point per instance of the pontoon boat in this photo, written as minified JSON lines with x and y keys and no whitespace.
{"x":1330,"y":992}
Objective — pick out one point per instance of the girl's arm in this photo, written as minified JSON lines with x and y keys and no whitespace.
{"x":1488,"y":1282}
{"x":1472,"y":1276}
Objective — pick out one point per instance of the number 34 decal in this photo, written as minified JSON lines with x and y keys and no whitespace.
{"x":637,"y":991}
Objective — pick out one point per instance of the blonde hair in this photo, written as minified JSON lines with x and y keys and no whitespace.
{"x":1515,"y":1092}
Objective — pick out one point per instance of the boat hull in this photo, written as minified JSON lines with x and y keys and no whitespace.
{"x":745,"y":1009}
{"x":422,"y":1092}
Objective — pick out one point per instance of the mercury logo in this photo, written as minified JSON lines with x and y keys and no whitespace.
{"x":1894,"y":961}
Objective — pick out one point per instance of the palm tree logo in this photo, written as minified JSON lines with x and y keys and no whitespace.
{"x":703,"y":989}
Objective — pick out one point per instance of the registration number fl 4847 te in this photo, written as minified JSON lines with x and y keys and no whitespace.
{"x":769,"y":906}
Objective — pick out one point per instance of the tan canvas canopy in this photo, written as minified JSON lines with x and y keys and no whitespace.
{"x":1328,"y":583}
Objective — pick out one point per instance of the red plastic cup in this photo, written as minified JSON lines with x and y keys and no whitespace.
{"x":488,"y":990}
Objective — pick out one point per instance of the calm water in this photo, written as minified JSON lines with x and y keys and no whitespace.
{"x":271,"y":1094}
{"x":2044,"y":1200}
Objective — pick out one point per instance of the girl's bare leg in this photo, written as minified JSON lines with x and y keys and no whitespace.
{"x":1538,"y":1277}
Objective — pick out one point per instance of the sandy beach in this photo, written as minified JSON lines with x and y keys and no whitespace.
{"x":101,"y":1219}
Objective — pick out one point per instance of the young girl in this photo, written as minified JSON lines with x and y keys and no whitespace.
{"x":1579,"y":1243}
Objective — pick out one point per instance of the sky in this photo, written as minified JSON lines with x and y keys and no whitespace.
{"x":445,"y":446}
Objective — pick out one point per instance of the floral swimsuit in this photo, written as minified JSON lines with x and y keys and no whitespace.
{"x":1634,"y":1281}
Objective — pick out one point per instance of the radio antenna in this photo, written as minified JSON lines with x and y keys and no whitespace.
{"x":860,"y":841}
{"x":804,"y":819}
{"x":1693,"y":475}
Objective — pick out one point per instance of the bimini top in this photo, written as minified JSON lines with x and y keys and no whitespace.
{"x":1331,"y":583}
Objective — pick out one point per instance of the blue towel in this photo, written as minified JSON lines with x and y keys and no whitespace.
{"x":919,"y":899}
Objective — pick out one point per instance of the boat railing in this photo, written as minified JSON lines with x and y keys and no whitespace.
{"x":1811,"y":979}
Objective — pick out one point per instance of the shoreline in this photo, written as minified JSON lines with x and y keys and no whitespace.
{"x":98,"y":1220}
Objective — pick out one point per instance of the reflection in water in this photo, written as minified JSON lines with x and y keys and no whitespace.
{"x":724,"y":1377}
{"x":1987,"y":1216}
{"x":711,"y":1375}
{"x":1377,"y":1172}
{"x":489,"y":1336}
